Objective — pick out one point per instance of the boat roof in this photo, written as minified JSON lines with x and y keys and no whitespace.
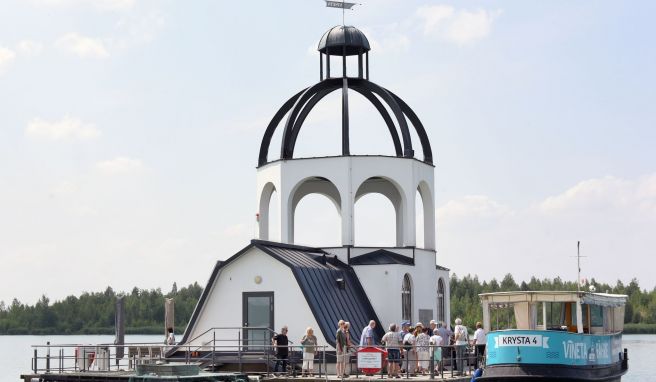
{"x":603,"y":299}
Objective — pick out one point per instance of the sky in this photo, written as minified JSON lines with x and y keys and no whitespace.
{"x":129,"y":134}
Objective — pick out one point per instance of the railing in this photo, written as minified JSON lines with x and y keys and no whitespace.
{"x":62,"y":358}
{"x":417,"y":363}
{"x":48,"y":358}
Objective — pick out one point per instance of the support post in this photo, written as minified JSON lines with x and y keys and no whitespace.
{"x":367,"y":57}
{"x":48,"y":357}
{"x":344,"y":61}
{"x":320,"y":66}
{"x":360,"y":65}
{"x":327,"y":65}
{"x":345,"y":117}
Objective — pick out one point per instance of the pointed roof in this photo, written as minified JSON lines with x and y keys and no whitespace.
{"x":381,"y":256}
{"x":330,"y":287}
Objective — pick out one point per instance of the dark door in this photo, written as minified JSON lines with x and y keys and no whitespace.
{"x":257,"y":319}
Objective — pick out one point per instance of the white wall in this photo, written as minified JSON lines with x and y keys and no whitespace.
{"x":347,"y":173}
{"x":383,"y":283}
{"x":223,"y":307}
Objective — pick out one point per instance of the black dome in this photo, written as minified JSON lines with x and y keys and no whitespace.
{"x":337,"y":38}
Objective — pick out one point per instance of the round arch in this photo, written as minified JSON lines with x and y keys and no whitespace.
{"x":393,"y":192}
{"x":264,"y":210}
{"x":428,"y":209}
{"x":312,"y":185}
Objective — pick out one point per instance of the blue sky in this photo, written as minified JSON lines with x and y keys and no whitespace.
{"x":130,"y":129}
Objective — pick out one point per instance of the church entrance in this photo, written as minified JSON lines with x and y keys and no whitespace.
{"x":258,"y":320}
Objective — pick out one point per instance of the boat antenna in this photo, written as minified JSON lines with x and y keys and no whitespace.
{"x":578,"y":263}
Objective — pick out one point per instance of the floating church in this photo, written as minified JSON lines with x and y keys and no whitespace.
{"x":274,"y":282}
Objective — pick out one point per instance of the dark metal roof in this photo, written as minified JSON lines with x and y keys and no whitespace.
{"x":317,"y":274}
{"x":381,"y":256}
{"x":442,"y":268}
{"x":340,"y":38}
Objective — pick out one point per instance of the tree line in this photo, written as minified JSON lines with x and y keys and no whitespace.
{"x":93,"y":313}
{"x":639,"y":313}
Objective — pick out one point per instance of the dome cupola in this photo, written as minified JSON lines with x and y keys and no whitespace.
{"x":343,"y":40}
{"x":346,"y":41}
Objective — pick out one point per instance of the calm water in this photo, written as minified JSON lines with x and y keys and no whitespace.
{"x":15,"y":352}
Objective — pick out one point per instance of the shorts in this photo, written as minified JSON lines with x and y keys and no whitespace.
{"x":394,"y":355}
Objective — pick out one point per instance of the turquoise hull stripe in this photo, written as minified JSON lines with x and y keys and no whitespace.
{"x":552,"y":347}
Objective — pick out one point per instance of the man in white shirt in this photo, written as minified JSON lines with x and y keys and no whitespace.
{"x":367,"y":337}
{"x":479,"y":341}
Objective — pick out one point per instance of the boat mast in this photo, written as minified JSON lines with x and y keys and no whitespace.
{"x":578,"y":263}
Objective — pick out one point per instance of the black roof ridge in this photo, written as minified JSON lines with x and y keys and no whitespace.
{"x":287,"y":246}
{"x":369,"y":258}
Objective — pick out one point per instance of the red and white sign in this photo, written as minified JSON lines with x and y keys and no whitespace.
{"x":371,"y":359}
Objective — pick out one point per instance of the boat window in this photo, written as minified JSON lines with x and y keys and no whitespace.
{"x":440,"y":300}
{"x":503,"y":317}
{"x":597,"y":315}
{"x":555,"y":315}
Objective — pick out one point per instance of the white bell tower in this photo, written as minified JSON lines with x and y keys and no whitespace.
{"x":346,"y":178}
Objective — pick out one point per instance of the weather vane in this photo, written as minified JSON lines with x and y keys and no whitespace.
{"x":340,"y":4}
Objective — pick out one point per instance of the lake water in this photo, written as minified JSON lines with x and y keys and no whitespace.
{"x":16,"y":353}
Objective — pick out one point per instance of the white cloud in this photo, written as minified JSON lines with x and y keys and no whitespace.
{"x":111,"y":5}
{"x":82,"y":46}
{"x":392,"y":42}
{"x":7,"y":56}
{"x":235,"y":230}
{"x":139,"y":28}
{"x":30,"y":48}
{"x":66,"y":129}
{"x":457,"y":26}
{"x":612,"y":217}
{"x":472,"y":207}
{"x":120,"y":165}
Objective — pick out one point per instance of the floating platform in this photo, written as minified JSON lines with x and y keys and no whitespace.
{"x":131,"y":376}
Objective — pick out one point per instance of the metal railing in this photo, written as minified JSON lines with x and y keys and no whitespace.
{"x":211,"y":351}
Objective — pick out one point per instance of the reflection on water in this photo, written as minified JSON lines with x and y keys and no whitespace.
{"x":16,"y":353}
{"x":641,"y":355}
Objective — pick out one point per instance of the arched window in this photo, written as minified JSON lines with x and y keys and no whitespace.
{"x":440,"y":300}
{"x":406,"y":298}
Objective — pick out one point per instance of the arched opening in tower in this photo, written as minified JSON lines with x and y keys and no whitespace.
{"x":316,"y":222}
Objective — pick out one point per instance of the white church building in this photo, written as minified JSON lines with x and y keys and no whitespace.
{"x":274,"y":282}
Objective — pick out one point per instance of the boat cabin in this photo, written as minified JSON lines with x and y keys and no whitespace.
{"x":574,"y":312}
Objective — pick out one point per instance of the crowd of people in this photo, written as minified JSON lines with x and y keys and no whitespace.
{"x":409,"y":348}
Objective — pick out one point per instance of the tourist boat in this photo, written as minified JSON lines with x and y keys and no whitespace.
{"x":553,"y":336}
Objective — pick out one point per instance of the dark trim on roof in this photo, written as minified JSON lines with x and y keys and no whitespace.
{"x":382,"y":256}
{"x":343,"y":156}
{"x":441,"y":268}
